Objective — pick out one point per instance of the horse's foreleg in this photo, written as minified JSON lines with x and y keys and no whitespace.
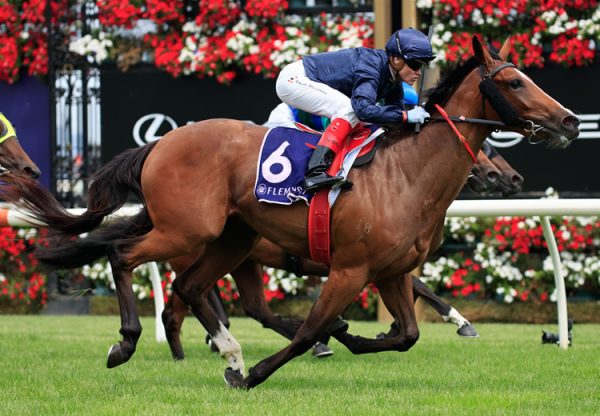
{"x":338,"y":292}
{"x":397,"y":295}
{"x":447,"y":312}
{"x":248,"y":278}
{"x":192,"y":286}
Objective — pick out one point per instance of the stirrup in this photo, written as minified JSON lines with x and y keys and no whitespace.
{"x":320,"y":180}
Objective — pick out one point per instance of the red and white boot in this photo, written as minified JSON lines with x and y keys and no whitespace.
{"x":328,"y":146}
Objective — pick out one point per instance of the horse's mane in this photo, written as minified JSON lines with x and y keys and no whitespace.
{"x":446,"y":86}
{"x":441,"y":93}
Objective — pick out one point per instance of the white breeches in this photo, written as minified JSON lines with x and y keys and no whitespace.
{"x":296,"y":89}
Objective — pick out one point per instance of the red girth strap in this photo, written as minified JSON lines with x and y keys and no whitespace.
{"x":318,"y":227}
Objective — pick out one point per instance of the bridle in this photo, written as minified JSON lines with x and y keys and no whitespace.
{"x":7,"y":131}
{"x":504,"y":109}
{"x":510,"y":117}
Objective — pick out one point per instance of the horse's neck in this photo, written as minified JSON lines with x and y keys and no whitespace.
{"x":433,"y":165}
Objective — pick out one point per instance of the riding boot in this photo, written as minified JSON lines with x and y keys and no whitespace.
{"x":329,"y":145}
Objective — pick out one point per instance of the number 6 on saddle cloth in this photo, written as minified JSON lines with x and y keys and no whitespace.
{"x":284,"y":156}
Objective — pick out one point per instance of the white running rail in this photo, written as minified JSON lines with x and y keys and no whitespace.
{"x":543,"y":208}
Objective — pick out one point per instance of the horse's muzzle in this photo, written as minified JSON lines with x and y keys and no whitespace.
{"x":559,"y":134}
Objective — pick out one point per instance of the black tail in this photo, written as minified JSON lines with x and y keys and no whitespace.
{"x":108,"y":192}
{"x":77,"y":252}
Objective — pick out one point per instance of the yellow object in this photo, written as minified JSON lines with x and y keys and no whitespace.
{"x":8,"y":130}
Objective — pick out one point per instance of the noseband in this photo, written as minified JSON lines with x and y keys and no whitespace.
{"x":508,"y":114}
{"x":500,"y":104}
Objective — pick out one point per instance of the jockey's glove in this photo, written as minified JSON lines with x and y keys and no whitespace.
{"x":417,"y":115}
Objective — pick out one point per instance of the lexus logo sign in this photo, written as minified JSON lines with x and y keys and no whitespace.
{"x":147,"y":128}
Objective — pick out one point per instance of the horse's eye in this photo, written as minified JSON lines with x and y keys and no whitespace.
{"x":515,"y":84}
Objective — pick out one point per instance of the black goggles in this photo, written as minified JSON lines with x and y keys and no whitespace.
{"x":415,"y":64}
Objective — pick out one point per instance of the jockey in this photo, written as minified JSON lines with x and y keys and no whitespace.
{"x":285,"y":116}
{"x":347,"y":87}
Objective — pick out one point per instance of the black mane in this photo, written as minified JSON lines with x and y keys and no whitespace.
{"x":446,"y":86}
{"x":449,"y":83}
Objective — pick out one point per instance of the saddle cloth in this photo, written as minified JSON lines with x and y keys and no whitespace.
{"x":284,"y":156}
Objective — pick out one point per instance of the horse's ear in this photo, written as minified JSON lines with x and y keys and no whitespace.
{"x":481,"y":54}
{"x":505,"y":49}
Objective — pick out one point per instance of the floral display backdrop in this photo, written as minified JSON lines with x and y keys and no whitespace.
{"x":566,"y":32}
{"x":222,"y":38}
{"x":22,"y":282}
{"x":507,"y":259}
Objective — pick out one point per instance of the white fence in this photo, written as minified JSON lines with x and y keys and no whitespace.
{"x":543,"y":208}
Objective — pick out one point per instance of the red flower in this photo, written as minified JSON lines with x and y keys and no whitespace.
{"x":9,"y":59}
{"x":118,"y":13}
{"x":165,"y":11}
{"x":216,"y":13}
{"x":266,"y":9}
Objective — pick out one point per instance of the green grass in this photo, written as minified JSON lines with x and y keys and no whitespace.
{"x":51,"y":365}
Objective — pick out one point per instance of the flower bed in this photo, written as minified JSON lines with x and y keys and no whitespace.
{"x":506,"y":259}
{"x":568,"y":29}
{"x":22,"y":283}
{"x":222,"y":38}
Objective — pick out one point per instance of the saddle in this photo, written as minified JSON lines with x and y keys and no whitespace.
{"x":282,"y":164}
{"x":284,"y":156}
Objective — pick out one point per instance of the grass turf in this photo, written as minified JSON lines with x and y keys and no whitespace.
{"x":54,"y":365}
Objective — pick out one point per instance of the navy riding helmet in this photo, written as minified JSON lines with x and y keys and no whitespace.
{"x":410,"y":44}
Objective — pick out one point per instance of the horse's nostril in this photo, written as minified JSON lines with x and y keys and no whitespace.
{"x":571,"y":121}
{"x":492,"y":176}
{"x":33,"y":172}
{"x":517,"y":180}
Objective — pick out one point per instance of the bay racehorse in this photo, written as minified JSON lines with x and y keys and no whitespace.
{"x":383,"y":229}
{"x":487,"y":176}
{"x":12,"y":156}
{"x":484,"y":178}
{"x":503,"y":179}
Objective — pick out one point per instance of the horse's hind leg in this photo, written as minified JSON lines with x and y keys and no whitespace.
{"x":397,"y":296}
{"x":124,"y":255}
{"x":338,"y":292}
{"x":192,"y":286}
{"x":465,"y":329}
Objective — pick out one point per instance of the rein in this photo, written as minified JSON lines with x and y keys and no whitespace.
{"x":461,"y":138}
{"x":490,"y":92}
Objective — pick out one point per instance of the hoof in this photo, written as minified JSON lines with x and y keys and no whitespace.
{"x":116,"y":356}
{"x":234,"y":378}
{"x":467,"y":331}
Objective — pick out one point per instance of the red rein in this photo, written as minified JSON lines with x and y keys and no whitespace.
{"x":460,"y":136}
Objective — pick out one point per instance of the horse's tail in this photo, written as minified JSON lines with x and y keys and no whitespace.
{"x":72,"y":253}
{"x":107,"y":192}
